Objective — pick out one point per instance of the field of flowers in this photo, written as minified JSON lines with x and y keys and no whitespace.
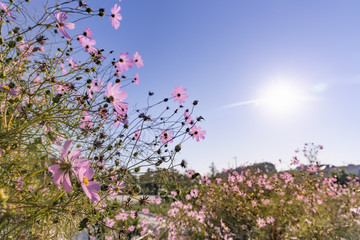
{"x":71,"y":146}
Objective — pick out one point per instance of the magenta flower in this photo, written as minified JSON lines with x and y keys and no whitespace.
{"x":115,"y":17}
{"x":116,"y":97}
{"x":166,"y":137}
{"x":60,"y":18}
{"x":197,"y":133}
{"x":8,"y":12}
{"x":179,"y":94}
{"x":136,"y":79}
{"x":87,"y":44}
{"x":69,"y":162}
{"x":124,"y":63}
{"x":138,"y":60}
{"x":89,"y":187}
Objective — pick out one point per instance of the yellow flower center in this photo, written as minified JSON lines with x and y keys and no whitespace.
{"x":63,"y":165}
{"x":85,"y":180}
{"x":6,"y":88}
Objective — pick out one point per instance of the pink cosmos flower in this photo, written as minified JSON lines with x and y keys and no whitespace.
{"x":166,"y":137}
{"x":60,"y":18}
{"x":138,"y":60}
{"x":86,"y":121}
{"x":179,"y":94}
{"x":312,"y":168}
{"x":122,"y":216}
{"x":136,"y":79}
{"x":72,"y":64}
{"x":295,"y":161}
{"x":260,"y":222}
{"x":95,"y":86}
{"x":120,"y":119}
{"x":115,"y":17}
{"x":194,"y":193}
{"x":197,"y":133}
{"x":8,"y":12}
{"x":69,"y":163}
{"x":124,"y":63}
{"x":87,"y":44}
{"x":137,"y":134}
{"x":109,"y":222}
{"x":88,"y":33}
{"x":188,"y":119}
{"x":116,"y":97}
{"x":190,"y":173}
{"x":89,"y":187}
{"x":116,"y":189}
{"x":156,"y":200}
{"x":7,"y":89}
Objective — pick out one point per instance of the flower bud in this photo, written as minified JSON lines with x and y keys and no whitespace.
{"x":178,"y":148}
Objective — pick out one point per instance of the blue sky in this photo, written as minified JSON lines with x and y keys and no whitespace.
{"x":231,"y":51}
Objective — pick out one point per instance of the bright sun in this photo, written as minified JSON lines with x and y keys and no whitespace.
{"x":281,"y":97}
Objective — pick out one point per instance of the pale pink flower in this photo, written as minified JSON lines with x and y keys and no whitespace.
{"x":166,"y":137}
{"x":145,"y":211}
{"x":87,"y":44}
{"x":136,"y":79}
{"x":69,"y":162}
{"x":194,"y":193}
{"x":122,"y":216}
{"x":89,"y":187}
{"x":156,"y":200}
{"x":86,"y":121}
{"x":115,"y":17}
{"x":6,"y":10}
{"x":95,"y":86}
{"x":109,"y":222}
{"x":116,"y":97}
{"x":131,"y":228}
{"x":137,"y":135}
{"x":60,"y":18}
{"x":88,"y":33}
{"x":260,"y":222}
{"x":124,"y":63}
{"x":188,"y":119}
{"x":197,"y":133}
{"x":72,"y":64}
{"x":138,"y":60}
{"x":190,"y":173}
{"x":179,"y":94}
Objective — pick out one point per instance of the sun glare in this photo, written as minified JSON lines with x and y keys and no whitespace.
{"x":281,"y":97}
